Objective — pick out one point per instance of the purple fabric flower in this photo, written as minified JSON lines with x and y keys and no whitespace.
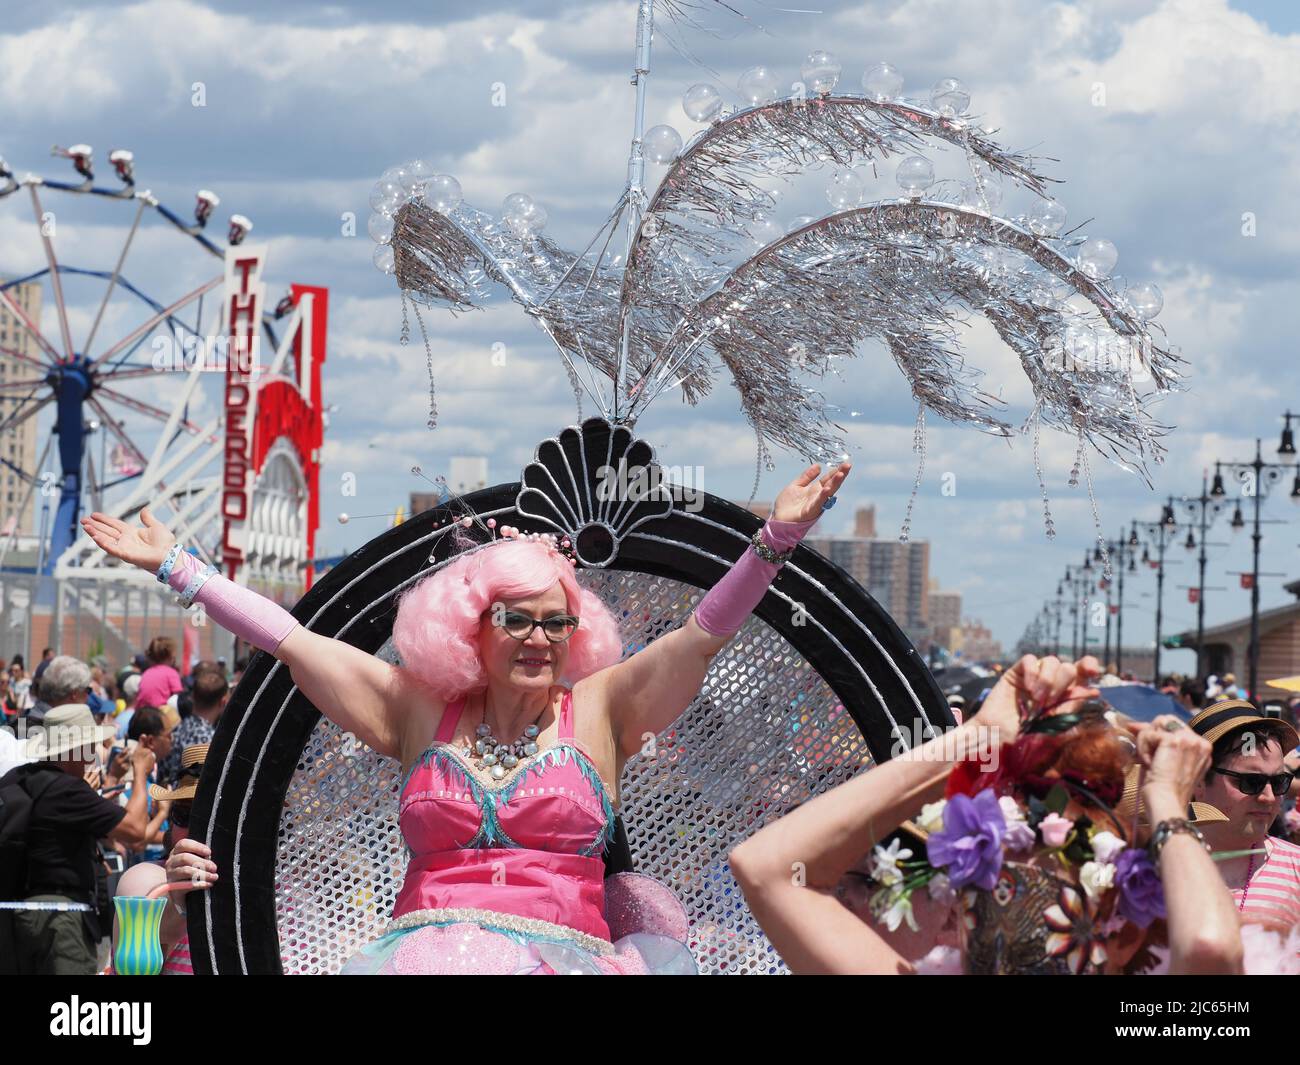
{"x":1141,"y":895}
{"x":970,"y":845}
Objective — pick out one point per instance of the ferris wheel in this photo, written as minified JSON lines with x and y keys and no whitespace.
{"x":116,"y":321}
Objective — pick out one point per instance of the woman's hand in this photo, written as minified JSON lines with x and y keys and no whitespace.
{"x":803,"y":498}
{"x":190,"y":862}
{"x":145,"y":546}
{"x":1176,"y":759}
{"x":1040,"y":682}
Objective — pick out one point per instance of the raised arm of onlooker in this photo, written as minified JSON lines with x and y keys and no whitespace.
{"x":132,"y":829}
{"x":1204,"y":929}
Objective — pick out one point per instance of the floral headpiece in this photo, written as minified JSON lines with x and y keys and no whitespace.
{"x":1040,"y":890}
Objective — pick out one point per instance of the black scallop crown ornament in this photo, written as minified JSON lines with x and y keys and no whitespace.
{"x":594,"y":483}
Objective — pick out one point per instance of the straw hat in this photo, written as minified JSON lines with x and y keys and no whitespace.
{"x":1130,"y":804}
{"x":192,"y":759}
{"x":1229,"y":715}
{"x":66,"y":728}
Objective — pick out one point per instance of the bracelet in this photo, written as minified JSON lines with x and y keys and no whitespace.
{"x":196,"y":585}
{"x":168,"y":563}
{"x":766,"y":553}
{"x":1172,"y":827}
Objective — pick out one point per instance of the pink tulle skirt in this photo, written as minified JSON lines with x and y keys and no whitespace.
{"x":647,"y":923}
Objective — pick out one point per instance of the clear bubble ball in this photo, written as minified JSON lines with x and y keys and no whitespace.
{"x":883,"y":82}
{"x":915,"y":174}
{"x":1097,"y":257}
{"x":523,"y":216}
{"x":799,"y":222}
{"x":380,"y":227}
{"x":515,"y":205}
{"x":1147,"y":300}
{"x":417,"y":173}
{"x":387,"y":195}
{"x":1047,"y":217}
{"x":820,"y":72}
{"x":662,"y":144}
{"x":950,"y":97}
{"x":845,"y":190}
{"x":758,"y":85}
{"x":383,"y":258}
{"x":701,"y":102}
{"x":442,"y":192}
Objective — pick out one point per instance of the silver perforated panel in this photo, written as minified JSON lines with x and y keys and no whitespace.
{"x":764,"y":735}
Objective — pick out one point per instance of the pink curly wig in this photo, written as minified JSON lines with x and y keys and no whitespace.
{"x":438,"y":620}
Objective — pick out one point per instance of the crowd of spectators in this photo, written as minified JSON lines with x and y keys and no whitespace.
{"x":82,"y":748}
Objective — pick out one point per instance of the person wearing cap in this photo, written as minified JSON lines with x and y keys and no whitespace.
{"x":1247,"y":781}
{"x":66,"y":818}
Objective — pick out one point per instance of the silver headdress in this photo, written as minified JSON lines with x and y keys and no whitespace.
{"x":710,"y":284}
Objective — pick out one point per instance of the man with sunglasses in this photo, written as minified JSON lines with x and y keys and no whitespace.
{"x":1248,"y":781}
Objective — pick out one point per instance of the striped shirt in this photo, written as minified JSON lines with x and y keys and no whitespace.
{"x":1273,"y":894}
{"x":178,"y":961}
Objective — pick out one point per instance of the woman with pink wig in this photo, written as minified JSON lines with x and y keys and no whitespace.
{"x":512,"y":716}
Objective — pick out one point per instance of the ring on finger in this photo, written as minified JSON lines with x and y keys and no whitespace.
{"x":1171,"y":724}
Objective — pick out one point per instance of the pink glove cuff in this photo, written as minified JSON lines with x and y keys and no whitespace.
{"x":239,"y":610}
{"x":727,"y":605}
{"x":783,"y":535}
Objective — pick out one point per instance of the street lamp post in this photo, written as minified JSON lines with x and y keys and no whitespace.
{"x":1119,"y":550}
{"x":1162,"y":533}
{"x":1202,"y":511}
{"x":1258,"y":477}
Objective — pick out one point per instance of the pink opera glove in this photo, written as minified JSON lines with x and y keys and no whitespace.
{"x":239,"y":610}
{"x":727,"y":605}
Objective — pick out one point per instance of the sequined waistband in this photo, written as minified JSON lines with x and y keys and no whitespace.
{"x":493,"y":919}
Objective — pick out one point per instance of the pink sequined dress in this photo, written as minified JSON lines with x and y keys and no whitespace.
{"x":507,"y":876}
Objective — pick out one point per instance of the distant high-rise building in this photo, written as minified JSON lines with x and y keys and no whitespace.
{"x":945,"y":614}
{"x":896,"y":574}
{"x":18,"y":448}
{"x":976,"y":642}
{"x":468,"y":473}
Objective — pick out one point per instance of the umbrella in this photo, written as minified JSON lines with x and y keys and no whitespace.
{"x":1141,"y":702}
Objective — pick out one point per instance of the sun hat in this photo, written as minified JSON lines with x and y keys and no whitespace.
{"x":67,"y":728}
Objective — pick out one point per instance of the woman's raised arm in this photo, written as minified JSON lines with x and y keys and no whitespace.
{"x":370,"y":698}
{"x":649,"y":690}
{"x":363,"y":695}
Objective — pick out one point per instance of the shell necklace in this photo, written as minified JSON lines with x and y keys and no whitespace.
{"x":499,"y":758}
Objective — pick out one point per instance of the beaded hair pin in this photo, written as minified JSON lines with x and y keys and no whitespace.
{"x":560,"y":545}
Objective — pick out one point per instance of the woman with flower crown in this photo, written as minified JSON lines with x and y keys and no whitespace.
{"x":512,"y":717}
{"x":1028,"y":860}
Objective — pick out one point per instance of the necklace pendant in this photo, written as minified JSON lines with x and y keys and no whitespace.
{"x":498,"y":772}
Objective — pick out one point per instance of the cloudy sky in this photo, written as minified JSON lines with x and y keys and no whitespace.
{"x":303,"y":105}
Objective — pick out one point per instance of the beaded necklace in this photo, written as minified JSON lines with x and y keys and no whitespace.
{"x":1245,"y":889}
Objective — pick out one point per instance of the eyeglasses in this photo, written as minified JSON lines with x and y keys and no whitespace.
{"x":557,"y":628}
{"x":1253,"y":783}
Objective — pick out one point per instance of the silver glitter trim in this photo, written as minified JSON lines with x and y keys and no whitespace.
{"x":527,"y":926}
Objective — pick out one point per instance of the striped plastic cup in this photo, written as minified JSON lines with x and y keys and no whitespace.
{"x":139,"y":948}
